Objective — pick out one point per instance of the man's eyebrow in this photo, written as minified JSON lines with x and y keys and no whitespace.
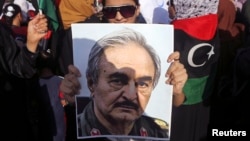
{"x":124,"y":76}
{"x":119,"y":75}
{"x":145,"y":78}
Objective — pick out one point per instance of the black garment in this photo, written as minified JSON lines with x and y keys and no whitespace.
{"x":17,"y":61}
{"x":1,"y":5}
{"x":16,"y":66}
{"x":186,"y":117}
{"x":71,"y":133}
{"x":65,"y":51}
{"x":230,"y":103}
{"x":51,"y":113}
{"x":144,"y":126}
{"x":246,"y":17}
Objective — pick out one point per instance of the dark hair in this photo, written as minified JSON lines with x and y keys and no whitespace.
{"x":46,"y":59}
{"x":121,"y":37}
{"x":136,"y":2}
{"x":9,"y":12}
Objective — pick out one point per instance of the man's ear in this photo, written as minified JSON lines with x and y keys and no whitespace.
{"x":90,"y":84}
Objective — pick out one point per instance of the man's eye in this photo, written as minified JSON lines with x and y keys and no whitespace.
{"x":117,"y":83}
{"x":142,"y":85}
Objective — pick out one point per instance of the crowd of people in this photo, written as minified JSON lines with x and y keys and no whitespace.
{"x":208,"y":71}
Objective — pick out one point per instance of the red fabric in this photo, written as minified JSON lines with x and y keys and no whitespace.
{"x":57,"y":2}
{"x":203,"y":27}
{"x":61,"y":96}
{"x":31,"y":14}
{"x":48,"y":35}
{"x":21,"y":31}
{"x":2,"y":20}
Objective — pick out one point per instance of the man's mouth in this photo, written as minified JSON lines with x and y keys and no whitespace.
{"x":127,"y":105}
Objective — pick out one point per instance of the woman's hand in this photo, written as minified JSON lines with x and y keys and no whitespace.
{"x":37,"y":29}
{"x":176,"y":76}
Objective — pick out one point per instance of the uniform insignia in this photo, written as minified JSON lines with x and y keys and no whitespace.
{"x":143,"y":132}
{"x":161,"y":123}
{"x":95,"y":132}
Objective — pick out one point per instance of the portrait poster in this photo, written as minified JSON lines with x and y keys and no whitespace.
{"x":157,"y":110}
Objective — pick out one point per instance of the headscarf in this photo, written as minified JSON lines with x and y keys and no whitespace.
{"x":9,"y":12}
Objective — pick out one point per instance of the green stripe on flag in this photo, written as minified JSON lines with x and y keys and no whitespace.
{"x":48,"y":8}
{"x":195,"y":88}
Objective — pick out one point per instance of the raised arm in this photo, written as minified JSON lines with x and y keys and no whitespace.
{"x":37,"y":29}
{"x":70,"y":85}
{"x":176,"y":76}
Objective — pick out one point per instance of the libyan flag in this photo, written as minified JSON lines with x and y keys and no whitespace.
{"x":197,"y":41}
{"x":48,"y":8}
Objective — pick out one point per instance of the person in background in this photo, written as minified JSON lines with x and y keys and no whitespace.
{"x":18,"y":63}
{"x":70,"y":11}
{"x":73,"y":11}
{"x":66,"y":50}
{"x":12,"y":16}
{"x":229,"y":109}
{"x":231,"y":35}
{"x":228,"y":101}
{"x":245,"y":14}
{"x":26,"y":7}
{"x":16,"y":15}
{"x":196,"y":38}
{"x":52,"y":126}
{"x":129,"y":13}
{"x":95,"y":11}
{"x":1,"y":5}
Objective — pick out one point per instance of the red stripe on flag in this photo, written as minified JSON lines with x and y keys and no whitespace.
{"x":203,"y":27}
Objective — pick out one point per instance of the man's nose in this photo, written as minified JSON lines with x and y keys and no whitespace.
{"x":131,"y":91}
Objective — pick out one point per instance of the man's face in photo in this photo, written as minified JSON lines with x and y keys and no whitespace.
{"x":125,"y":83}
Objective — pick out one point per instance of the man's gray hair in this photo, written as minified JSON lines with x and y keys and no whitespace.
{"x":121,"y":37}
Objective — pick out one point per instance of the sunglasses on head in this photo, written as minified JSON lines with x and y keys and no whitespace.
{"x":126,"y":11}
